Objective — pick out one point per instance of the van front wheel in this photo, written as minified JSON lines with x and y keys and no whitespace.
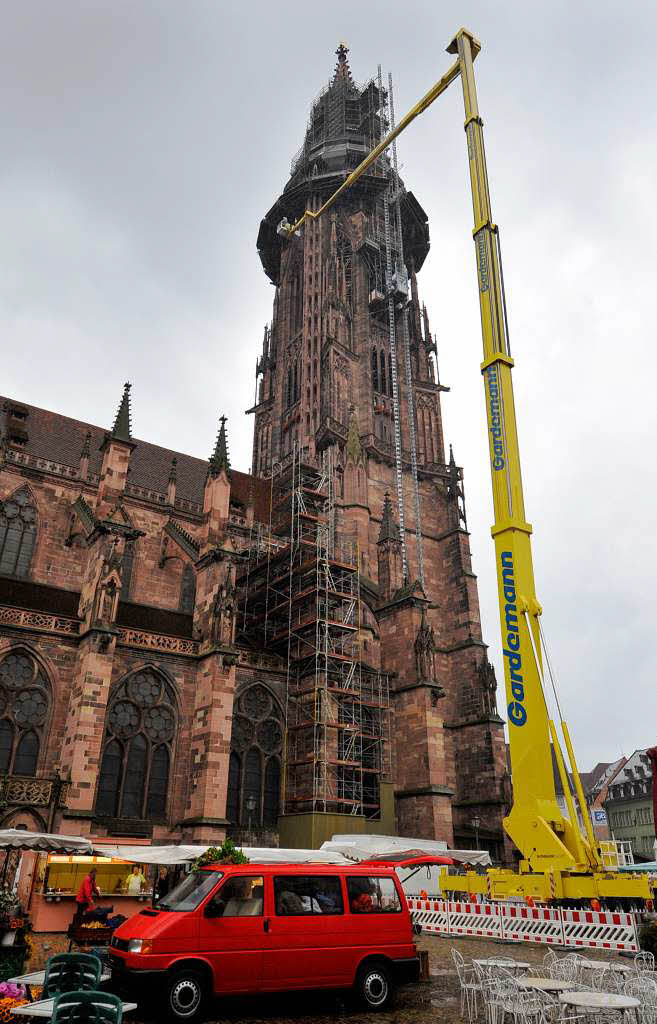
{"x":373,"y":986}
{"x":185,"y":996}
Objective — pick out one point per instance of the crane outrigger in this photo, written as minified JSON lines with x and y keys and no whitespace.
{"x":559,"y":861}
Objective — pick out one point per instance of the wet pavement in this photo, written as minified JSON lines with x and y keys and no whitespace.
{"x":434,"y":1002}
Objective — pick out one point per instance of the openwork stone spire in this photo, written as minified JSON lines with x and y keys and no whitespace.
{"x":342,"y":69}
{"x":122,"y":426}
{"x":219,"y":459}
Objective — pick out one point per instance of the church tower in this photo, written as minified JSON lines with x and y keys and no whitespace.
{"x":349,"y":363}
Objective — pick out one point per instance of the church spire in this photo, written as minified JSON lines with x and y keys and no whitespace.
{"x":122,"y":427}
{"x":342,"y":69}
{"x":389,"y":529}
{"x":219,"y":459}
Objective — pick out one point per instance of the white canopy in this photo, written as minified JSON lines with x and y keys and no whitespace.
{"x":357,"y":848}
{"x":341,"y":849}
{"x":22,"y":839}
{"x":186,"y":854}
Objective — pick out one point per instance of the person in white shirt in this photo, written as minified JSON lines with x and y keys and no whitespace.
{"x":136,"y":881}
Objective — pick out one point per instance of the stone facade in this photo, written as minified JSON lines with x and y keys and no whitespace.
{"x":118,"y":559}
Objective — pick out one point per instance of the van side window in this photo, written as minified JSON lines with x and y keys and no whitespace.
{"x":301,"y":895}
{"x":242,"y":896}
{"x":371,"y":895}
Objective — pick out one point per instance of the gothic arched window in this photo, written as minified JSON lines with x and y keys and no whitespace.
{"x":18,"y":524}
{"x":139,"y":733}
{"x":255,"y":761}
{"x":375,"y":371}
{"x":24,"y":706}
{"x":383,"y":372}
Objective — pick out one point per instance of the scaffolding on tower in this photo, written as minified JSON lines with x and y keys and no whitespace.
{"x":299,"y":597}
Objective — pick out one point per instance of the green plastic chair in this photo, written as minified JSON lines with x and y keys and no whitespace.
{"x":87,"y":1008}
{"x":71,"y":972}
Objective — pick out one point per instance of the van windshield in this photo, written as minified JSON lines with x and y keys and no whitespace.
{"x":191,"y":891}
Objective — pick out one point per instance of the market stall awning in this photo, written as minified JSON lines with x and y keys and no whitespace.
{"x":367,"y":847}
{"x":22,"y":839}
{"x":169,"y":855}
{"x":409,"y":859}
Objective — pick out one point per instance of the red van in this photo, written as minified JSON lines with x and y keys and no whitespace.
{"x":269,"y":928}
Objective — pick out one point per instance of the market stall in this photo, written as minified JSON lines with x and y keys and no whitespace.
{"x":124,"y":885}
{"x":15,"y":916}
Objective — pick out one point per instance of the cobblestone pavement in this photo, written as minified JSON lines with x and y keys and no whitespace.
{"x":435,"y":1002}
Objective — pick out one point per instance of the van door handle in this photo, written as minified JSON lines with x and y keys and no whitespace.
{"x":265,"y":924}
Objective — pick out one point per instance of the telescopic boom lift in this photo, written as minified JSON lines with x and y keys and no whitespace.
{"x":559,"y":861}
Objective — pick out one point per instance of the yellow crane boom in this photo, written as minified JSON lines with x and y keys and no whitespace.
{"x":559,"y":861}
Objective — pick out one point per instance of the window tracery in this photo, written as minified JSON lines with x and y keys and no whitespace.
{"x":25,"y":698}
{"x":138,"y":748}
{"x":18,"y":526}
{"x":255,"y":759}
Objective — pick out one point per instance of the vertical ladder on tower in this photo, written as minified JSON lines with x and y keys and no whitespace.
{"x":393,"y":363}
{"x":410,"y":397}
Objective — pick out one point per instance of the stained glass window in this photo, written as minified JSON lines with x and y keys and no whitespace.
{"x":18,"y":525}
{"x":255,"y":760}
{"x":140,"y":729}
{"x":24,"y":706}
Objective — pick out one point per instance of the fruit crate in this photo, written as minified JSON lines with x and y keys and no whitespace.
{"x":85,"y":936}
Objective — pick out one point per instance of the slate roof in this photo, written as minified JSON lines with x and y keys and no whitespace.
{"x":60,"y":439}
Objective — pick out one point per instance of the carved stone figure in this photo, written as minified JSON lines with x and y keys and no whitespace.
{"x":425,"y":651}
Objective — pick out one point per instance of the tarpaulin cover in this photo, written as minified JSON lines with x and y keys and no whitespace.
{"x":357,"y":848}
{"x":22,"y":839}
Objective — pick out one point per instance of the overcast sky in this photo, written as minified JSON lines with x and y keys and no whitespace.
{"x":143,"y":141}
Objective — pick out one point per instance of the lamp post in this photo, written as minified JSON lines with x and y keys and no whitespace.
{"x":250,"y":806}
{"x":476,"y":822}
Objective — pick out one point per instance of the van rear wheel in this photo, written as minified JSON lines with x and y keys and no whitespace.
{"x":185,"y":996}
{"x":373,"y":986}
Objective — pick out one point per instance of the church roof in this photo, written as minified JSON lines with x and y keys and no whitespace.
{"x":57,"y":438}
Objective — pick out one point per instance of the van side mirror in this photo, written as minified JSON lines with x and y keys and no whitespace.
{"x":215,"y":908}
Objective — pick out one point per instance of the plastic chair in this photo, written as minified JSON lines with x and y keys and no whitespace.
{"x":87,"y":1008}
{"x":71,"y":972}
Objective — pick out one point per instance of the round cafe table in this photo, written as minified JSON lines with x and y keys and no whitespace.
{"x":546,"y":984}
{"x":615,"y":965}
{"x":492,"y":961}
{"x":596,"y":1002}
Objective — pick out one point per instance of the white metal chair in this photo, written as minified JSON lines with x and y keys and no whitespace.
{"x":644,"y":961}
{"x":469,"y":983}
{"x":644,"y":989}
{"x":564,"y":970}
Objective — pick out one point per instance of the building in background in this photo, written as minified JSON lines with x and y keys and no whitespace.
{"x":629,"y":806}
{"x":186,"y":649}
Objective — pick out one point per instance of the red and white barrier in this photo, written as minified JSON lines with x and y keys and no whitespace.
{"x":532,"y":924}
{"x":430,"y":914}
{"x":475,"y":919}
{"x":600,"y":931}
{"x":515,"y":922}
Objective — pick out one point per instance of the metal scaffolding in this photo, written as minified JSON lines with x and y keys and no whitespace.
{"x":300,"y":598}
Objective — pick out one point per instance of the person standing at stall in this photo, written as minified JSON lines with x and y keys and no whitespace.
{"x":85,"y":896}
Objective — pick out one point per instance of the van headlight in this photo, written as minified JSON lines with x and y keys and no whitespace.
{"x":140,"y":946}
